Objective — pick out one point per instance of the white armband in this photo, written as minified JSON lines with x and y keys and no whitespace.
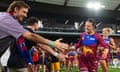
{"x":73,"y":47}
{"x":29,"y":63}
{"x":56,"y":54}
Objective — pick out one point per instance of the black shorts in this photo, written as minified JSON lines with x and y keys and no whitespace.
{"x":42,"y":62}
{"x":35,"y":63}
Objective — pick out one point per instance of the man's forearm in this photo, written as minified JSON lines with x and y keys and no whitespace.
{"x":39,"y":39}
{"x":48,"y":49}
{"x":36,"y":38}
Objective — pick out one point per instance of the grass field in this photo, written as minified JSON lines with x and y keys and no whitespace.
{"x":99,"y":70}
{"x":110,"y":70}
{"x":76,"y":70}
{"x":63,"y":69}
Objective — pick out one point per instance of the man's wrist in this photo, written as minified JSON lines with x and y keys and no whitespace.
{"x":51,"y":43}
{"x":29,"y":63}
{"x":72,"y":47}
{"x":56,"y":54}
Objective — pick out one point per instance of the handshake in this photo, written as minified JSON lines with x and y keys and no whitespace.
{"x":56,"y":45}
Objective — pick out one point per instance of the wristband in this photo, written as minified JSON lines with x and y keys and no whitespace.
{"x":51,"y":43}
{"x":56,"y":54}
{"x":29,"y":63}
{"x":73,"y":47}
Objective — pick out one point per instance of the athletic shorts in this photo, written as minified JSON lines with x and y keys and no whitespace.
{"x":55,"y":66}
{"x":43,"y":62}
{"x":88,"y":63}
{"x":71,"y":58}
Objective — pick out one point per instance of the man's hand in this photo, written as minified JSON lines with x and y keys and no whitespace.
{"x":58,"y":39}
{"x":61,"y":57}
{"x":50,"y":50}
{"x":61,"y":46}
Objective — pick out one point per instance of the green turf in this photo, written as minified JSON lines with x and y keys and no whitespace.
{"x":110,"y":70}
{"x":99,"y":70}
{"x":63,"y":69}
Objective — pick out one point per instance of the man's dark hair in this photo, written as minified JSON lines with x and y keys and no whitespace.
{"x":91,"y":20}
{"x":18,"y":4}
{"x":32,"y":20}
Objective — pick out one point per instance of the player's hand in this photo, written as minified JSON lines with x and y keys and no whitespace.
{"x":61,"y":46}
{"x":101,"y":48}
{"x":61,"y":57}
{"x":104,"y":55}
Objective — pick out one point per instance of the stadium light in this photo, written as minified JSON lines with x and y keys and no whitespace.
{"x":95,"y":5}
{"x":76,"y":24}
{"x":40,"y":24}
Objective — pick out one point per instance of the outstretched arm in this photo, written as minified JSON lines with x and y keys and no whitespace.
{"x":39,"y":39}
{"x":51,"y":51}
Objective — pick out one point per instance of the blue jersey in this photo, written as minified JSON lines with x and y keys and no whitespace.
{"x":71,"y":53}
{"x":107,"y":40}
{"x":78,"y":52}
{"x":89,"y":43}
{"x":89,"y":40}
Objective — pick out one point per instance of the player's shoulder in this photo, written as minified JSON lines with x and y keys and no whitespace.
{"x":83,"y":33}
{"x":97,"y":35}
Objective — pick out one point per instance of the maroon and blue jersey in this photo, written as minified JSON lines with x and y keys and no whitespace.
{"x":71,"y":56}
{"x":71,"y":53}
{"x":118,"y":55}
{"x":88,"y":45}
{"x":78,"y":52}
{"x":22,"y":50}
{"x":107,"y":41}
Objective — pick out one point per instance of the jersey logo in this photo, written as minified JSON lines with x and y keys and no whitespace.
{"x":87,"y":50}
{"x":92,"y":38}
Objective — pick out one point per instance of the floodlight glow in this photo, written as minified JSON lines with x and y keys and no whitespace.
{"x":89,"y":5}
{"x":95,"y":5}
{"x":102,"y":6}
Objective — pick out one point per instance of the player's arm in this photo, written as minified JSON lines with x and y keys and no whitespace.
{"x":77,"y":45}
{"x":103,"y":44}
{"x":112,"y":43}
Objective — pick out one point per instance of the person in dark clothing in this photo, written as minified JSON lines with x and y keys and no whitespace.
{"x":32,"y":25}
{"x":10,"y":26}
{"x":55,"y":64}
